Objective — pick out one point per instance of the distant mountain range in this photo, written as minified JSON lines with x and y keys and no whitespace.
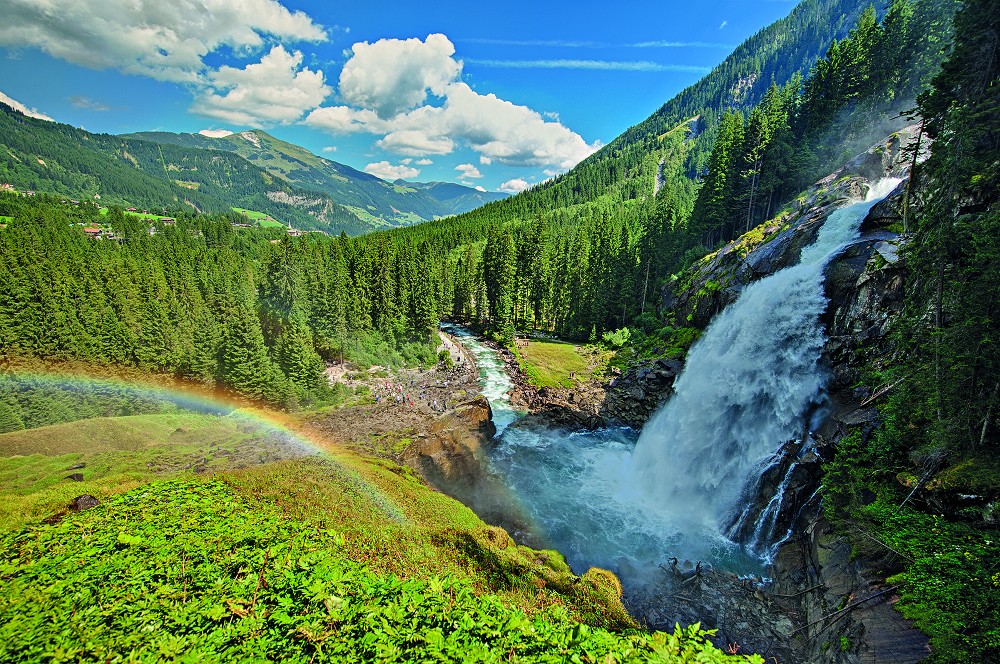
{"x":370,"y":198}
{"x":251,"y":170}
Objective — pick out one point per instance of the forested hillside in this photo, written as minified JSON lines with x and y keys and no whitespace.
{"x":208,"y":302}
{"x":382,"y":204}
{"x":60,"y":159}
{"x":599,"y":261}
{"x":258,"y":317}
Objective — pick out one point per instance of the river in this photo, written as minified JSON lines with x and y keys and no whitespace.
{"x":632,"y":501}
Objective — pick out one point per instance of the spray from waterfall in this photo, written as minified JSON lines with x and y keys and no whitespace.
{"x":603,"y":499}
{"x":746,"y":387}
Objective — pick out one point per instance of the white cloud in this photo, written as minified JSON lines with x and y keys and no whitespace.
{"x":723,"y":24}
{"x":163,"y":40}
{"x":480,"y":187}
{"x":216,"y":133}
{"x":559,"y":43}
{"x":344,"y":120}
{"x":468,"y":171}
{"x":18,"y":106}
{"x":387,"y":171}
{"x":330,"y":148}
{"x":393,"y":75}
{"x":514,"y":186}
{"x":386,"y":86}
{"x":406,"y":161}
{"x":276,"y":89}
{"x":88,"y":104}
{"x":683,"y":44}
{"x":424,"y":162}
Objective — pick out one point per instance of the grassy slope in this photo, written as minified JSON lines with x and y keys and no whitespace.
{"x":282,"y":559}
{"x":550,"y":363}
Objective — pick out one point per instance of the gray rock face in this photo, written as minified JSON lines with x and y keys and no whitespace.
{"x":716,"y":281}
{"x":796,"y":618}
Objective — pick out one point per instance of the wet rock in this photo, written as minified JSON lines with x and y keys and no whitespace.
{"x":77,"y":466}
{"x":83,"y":502}
{"x":75,"y":477}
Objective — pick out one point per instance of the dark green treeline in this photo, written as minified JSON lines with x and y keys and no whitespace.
{"x":238,"y":308}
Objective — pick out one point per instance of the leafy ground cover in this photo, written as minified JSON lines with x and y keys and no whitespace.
{"x":189,"y":570}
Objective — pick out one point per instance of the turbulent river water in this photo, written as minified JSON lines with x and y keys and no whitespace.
{"x":629,"y":501}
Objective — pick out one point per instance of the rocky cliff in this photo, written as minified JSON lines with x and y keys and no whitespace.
{"x":838,"y":607}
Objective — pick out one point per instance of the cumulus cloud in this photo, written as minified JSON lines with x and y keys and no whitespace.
{"x":330,"y":148}
{"x":163,"y":40}
{"x":514,"y":186}
{"x":424,"y":162}
{"x":387,"y":171}
{"x":18,"y":106}
{"x":480,"y":187}
{"x":276,"y":89}
{"x":394,"y":75}
{"x":484,"y":160}
{"x":468,"y":171}
{"x":344,"y":120}
{"x":409,"y":92}
{"x":216,"y":133}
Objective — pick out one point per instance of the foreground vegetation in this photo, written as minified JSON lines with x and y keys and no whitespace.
{"x":329,"y":557}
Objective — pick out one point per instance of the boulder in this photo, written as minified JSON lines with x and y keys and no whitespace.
{"x":83,"y":502}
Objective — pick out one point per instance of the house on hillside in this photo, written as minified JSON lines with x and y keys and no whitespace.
{"x":93,"y":232}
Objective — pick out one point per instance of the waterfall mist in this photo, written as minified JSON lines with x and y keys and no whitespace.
{"x":749,"y":385}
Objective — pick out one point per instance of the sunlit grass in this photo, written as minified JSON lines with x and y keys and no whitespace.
{"x":556,"y":363}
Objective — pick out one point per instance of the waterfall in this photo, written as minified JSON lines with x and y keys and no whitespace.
{"x":602,"y":498}
{"x":748,"y":384}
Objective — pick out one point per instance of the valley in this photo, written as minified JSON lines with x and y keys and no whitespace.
{"x":722,"y":389}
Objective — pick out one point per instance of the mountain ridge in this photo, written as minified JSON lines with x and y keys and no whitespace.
{"x":364,"y":194}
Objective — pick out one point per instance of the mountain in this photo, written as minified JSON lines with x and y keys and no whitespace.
{"x":627,"y":167}
{"x":456,"y":198}
{"x":60,"y":159}
{"x":250,"y":170}
{"x":381,"y":203}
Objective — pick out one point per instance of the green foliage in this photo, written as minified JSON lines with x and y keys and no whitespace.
{"x":948,"y":583}
{"x":29,"y":401}
{"x":618,"y":338}
{"x":940,"y":430}
{"x":212,"y":577}
{"x":203,"y":302}
{"x":444,"y":358}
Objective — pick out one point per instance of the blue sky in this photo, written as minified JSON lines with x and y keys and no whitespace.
{"x":498,"y":95}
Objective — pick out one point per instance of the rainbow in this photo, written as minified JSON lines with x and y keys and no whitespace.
{"x":168,"y":394}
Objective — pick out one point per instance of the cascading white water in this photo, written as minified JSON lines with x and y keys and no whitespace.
{"x":746,"y":386}
{"x":496,"y":384}
{"x":604,"y":500}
